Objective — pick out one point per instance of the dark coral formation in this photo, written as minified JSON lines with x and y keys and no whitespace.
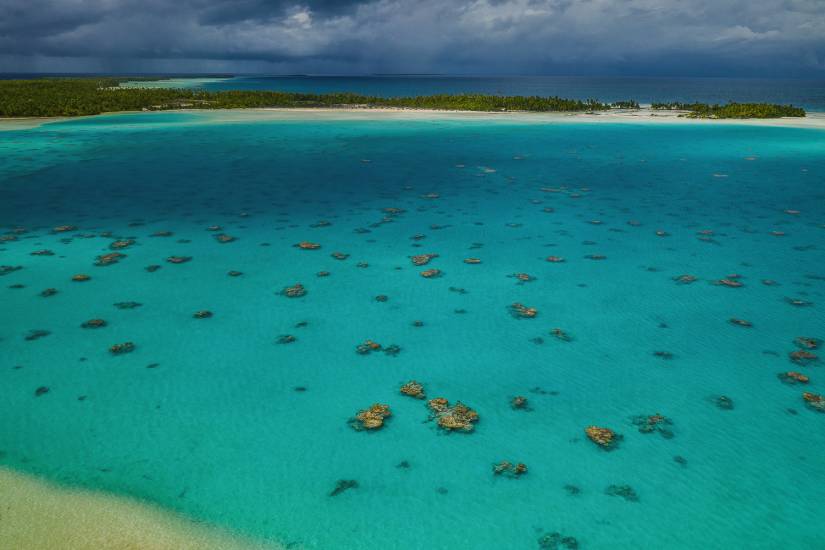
{"x":413,"y":389}
{"x":520,"y":311}
{"x":653,"y":423}
{"x":372,"y":418}
{"x":295,"y":291}
{"x":342,"y":485}
{"x":120,"y":349}
{"x":557,"y":541}
{"x":458,"y":417}
{"x":624,"y":491}
{"x":508,"y":469}
{"x":605,"y":438}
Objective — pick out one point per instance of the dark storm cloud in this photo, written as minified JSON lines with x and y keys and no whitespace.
{"x":459,"y":36}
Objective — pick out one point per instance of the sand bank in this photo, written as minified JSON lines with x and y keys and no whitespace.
{"x":640,"y":116}
{"x":35,"y":515}
{"x":815,"y":120}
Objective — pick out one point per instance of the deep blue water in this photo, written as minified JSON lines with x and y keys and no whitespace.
{"x":216,"y":419}
{"x":809,"y":94}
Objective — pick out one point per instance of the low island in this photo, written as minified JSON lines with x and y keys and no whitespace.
{"x":69,"y":97}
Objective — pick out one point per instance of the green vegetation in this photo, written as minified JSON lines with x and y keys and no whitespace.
{"x":86,"y":96}
{"x":629,"y":104}
{"x":733,"y":110}
{"x":51,"y":97}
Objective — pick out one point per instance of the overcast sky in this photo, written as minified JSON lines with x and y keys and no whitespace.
{"x":631,"y":37}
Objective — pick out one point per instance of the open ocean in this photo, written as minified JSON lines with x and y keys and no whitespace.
{"x":809,"y":94}
{"x":241,"y":419}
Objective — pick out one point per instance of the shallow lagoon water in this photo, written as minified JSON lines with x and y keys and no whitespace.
{"x":216,"y":429}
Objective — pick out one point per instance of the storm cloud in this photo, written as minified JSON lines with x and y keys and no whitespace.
{"x":668,"y":37}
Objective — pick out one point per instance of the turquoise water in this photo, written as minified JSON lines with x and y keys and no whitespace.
{"x":216,"y":429}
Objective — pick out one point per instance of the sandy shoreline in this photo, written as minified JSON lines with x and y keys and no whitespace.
{"x":38,"y":515}
{"x":815,"y":120}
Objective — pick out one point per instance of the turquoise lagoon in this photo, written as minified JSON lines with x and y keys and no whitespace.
{"x":219,"y":429}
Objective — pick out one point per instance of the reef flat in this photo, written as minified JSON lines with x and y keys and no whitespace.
{"x":356,"y":330}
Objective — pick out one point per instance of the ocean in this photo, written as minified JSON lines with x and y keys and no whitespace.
{"x":809,"y":94}
{"x":244,"y":419}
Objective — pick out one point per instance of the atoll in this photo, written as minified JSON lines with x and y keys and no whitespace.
{"x":306,"y":245}
{"x":94,"y":323}
{"x":81,"y":278}
{"x":431,"y":273}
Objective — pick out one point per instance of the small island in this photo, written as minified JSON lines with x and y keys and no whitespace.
{"x":69,"y":97}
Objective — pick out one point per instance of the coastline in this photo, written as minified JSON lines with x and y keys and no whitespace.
{"x":645,"y":115}
{"x":39,"y":515}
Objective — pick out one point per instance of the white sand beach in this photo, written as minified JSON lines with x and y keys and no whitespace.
{"x":814,"y":120}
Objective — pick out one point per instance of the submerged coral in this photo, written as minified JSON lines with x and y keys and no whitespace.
{"x":119,"y":349}
{"x":423,"y":259}
{"x":802,"y":357}
{"x":603,"y":437}
{"x":793,"y":377}
{"x":6,"y":269}
{"x":654,"y":423}
{"x":295,"y":291}
{"x":520,"y":311}
{"x":459,"y":417}
{"x":557,"y":541}
{"x":413,"y":389}
{"x":109,"y":259}
{"x":624,"y":491}
{"x":508,"y":469}
{"x":372,"y":418}
{"x":814,"y":401}
{"x":342,"y":485}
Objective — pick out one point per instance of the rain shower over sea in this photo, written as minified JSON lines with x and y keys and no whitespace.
{"x":614,"y":329}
